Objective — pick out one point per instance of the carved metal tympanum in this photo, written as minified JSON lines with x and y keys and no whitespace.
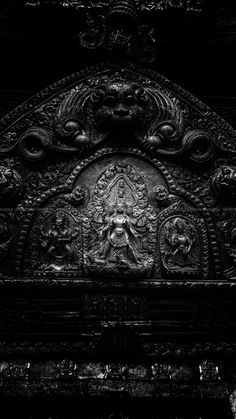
{"x":117,"y":172}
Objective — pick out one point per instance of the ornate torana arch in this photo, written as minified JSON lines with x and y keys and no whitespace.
{"x":117,"y":172}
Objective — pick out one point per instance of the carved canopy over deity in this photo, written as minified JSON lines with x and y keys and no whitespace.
{"x":115,"y":172}
{"x":122,"y":224}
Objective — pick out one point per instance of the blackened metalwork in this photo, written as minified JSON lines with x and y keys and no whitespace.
{"x":119,"y":31}
{"x":117,"y":215}
{"x":186,"y":5}
{"x":129,"y":195}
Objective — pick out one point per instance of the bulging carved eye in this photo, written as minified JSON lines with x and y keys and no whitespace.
{"x":97,"y":96}
{"x":154,"y":141}
{"x":167,"y":129}
{"x":83,"y":141}
{"x":71,"y":125}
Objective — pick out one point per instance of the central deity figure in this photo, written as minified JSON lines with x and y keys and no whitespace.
{"x":118,"y":237}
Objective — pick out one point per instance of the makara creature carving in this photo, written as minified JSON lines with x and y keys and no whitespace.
{"x":116,"y":172}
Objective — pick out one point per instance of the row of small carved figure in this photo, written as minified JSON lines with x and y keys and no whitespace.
{"x":206,"y":370}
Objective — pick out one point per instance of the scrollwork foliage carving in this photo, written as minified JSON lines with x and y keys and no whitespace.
{"x":186,"y":5}
{"x":102,"y":112}
{"x":78,"y":119}
{"x":109,"y":227}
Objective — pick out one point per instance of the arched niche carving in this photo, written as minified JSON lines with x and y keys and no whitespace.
{"x":112,"y":226}
{"x":183,"y":243}
{"x":117,"y":172}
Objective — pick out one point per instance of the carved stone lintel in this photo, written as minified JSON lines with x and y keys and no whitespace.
{"x":70,"y":371}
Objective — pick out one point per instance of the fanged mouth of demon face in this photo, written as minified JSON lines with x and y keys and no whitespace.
{"x":119,"y":104}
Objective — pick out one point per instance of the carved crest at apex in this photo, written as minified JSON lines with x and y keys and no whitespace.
{"x":126,"y":215}
{"x":144,"y":109}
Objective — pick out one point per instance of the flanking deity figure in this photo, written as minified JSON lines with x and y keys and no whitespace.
{"x":180,"y":250}
{"x":56,"y":241}
{"x":180,"y":238}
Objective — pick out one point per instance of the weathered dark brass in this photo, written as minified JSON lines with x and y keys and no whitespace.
{"x":117,"y":242}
